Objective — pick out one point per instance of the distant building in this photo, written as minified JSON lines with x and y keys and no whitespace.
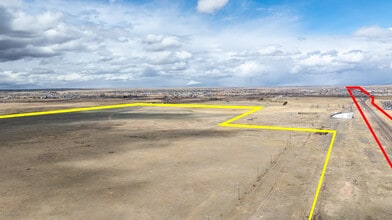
{"x":387,"y":105}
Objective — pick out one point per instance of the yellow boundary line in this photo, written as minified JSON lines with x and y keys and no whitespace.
{"x":228,"y":123}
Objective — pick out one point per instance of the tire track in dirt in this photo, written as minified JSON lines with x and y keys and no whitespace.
{"x":278,"y":167}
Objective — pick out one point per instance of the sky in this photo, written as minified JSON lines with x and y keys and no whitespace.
{"x":194,"y":43}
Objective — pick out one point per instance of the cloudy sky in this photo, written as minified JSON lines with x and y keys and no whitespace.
{"x":178,"y":43}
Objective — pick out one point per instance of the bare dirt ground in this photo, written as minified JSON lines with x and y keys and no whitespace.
{"x":175,"y":163}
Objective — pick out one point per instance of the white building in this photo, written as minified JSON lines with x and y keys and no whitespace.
{"x":343,"y":115}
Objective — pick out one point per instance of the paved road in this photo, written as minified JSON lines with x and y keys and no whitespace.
{"x":380,"y":124}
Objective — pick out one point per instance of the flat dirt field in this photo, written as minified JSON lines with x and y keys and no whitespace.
{"x":176,"y":163}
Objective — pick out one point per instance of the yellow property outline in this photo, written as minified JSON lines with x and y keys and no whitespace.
{"x":228,"y":123}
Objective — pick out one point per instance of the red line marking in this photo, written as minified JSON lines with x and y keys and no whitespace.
{"x":349,"y":89}
{"x":372,"y":98}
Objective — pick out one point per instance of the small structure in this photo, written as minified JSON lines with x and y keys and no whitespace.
{"x":343,"y":115}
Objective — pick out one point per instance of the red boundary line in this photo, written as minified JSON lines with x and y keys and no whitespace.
{"x":349,"y":89}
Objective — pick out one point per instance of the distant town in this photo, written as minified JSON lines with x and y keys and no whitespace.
{"x":182,"y":95}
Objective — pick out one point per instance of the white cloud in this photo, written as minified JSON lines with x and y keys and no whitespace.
{"x":152,"y":39}
{"x":160,"y":43}
{"x":354,"y":56}
{"x":271,"y":50}
{"x":317,"y":60}
{"x":40,"y":22}
{"x":12,"y":77}
{"x":183,"y":55}
{"x":374,"y":32}
{"x":250,"y":68}
{"x":192,"y":83}
{"x":210,"y":6}
{"x":85,"y":44}
{"x":10,"y":3}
